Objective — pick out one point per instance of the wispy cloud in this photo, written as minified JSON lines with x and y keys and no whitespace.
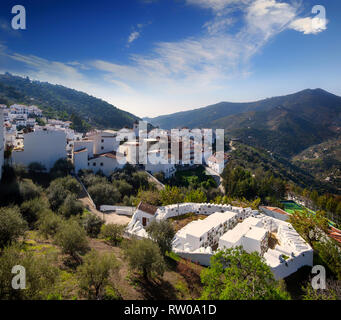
{"x":133,"y":36}
{"x":136,"y":33}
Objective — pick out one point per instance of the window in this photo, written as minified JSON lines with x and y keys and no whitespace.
{"x":101,"y":164}
{"x":88,"y":163}
{"x":102,"y":140}
{"x":94,"y":164}
{"x":102,"y":148}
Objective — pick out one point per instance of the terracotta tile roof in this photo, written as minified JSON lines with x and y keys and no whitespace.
{"x":146,"y":207}
{"x":275,"y":209}
{"x":80,"y":150}
{"x":111,"y":155}
{"x":335,"y":234}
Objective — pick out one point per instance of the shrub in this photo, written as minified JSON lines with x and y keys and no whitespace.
{"x":12,"y":225}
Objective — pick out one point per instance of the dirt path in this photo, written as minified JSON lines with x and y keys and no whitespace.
{"x":108,"y":217}
{"x":231,"y":146}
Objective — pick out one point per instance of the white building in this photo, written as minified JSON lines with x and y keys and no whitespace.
{"x":97,"y":152}
{"x":282,"y":248}
{"x":43,"y":146}
{"x":217,"y":162}
{"x":206,"y":233}
{"x":247,"y":234}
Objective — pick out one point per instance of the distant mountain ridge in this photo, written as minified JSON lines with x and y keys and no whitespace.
{"x":285,"y":125}
{"x":63,"y":103}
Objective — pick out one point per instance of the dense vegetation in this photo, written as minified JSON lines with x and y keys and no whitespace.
{"x":63,"y":103}
{"x":323,"y":161}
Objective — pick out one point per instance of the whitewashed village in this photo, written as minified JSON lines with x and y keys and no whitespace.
{"x":264,"y":231}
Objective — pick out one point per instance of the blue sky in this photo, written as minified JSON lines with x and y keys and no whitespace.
{"x":153,"y":57}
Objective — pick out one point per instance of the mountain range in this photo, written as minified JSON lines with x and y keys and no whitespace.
{"x":285,"y":125}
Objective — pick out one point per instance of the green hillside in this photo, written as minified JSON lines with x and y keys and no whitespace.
{"x":66,"y":104}
{"x":285,"y":125}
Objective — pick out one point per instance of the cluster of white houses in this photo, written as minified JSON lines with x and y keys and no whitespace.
{"x":226,"y":227}
{"x":105,"y":150}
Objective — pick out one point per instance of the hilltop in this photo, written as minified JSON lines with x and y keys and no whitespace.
{"x":63,"y":103}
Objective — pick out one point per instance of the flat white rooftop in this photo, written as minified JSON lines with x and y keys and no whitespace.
{"x":239,"y":230}
{"x":200,"y":227}
{"x":256,"y":233}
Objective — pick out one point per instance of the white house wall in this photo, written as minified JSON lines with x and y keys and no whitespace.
{"x":43,"y":146}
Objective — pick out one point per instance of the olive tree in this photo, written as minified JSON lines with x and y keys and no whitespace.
{"x":12,"y":225}
{"x":162,"y":232}
{"x":94,"y":273}
{"x":145,"y":257}
{"x":235,"y":274}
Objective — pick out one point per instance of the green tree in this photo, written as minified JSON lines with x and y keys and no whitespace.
{"x":36,"y":167}
{"x":237,"y":275}
{"x":145,"y":257}
{"x":332,"y":291}
{"x":113,"y":233}
{"x":197,"y":196}
{"x":12,"y":225}
{"x":104,"y":193}
{"x":92,"y":224}
{"x":49,"y":223}
{"x":94,"y":273}
{"x":331,"y":205}
{"x":61,"y":168}
{"x":59,"y":190}
{"x":41,"y":274}
{"x":330,"y":253}
{"x":162,"y":232}
{"x":71,"y":206}
{"x":71,"y":237}
{"x":31,"y":210}
{"x":148,"y":196}
{"x":171,"y":195}
{"x":310,"y":226}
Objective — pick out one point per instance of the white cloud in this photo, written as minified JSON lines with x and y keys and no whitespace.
{"x":133,"y":36}
{"x":136,"y":33}
{"x":309,"y":25}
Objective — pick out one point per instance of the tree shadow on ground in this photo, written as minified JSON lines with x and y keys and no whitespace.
{"x":156,"y":289}
{"x":192,"y":279}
